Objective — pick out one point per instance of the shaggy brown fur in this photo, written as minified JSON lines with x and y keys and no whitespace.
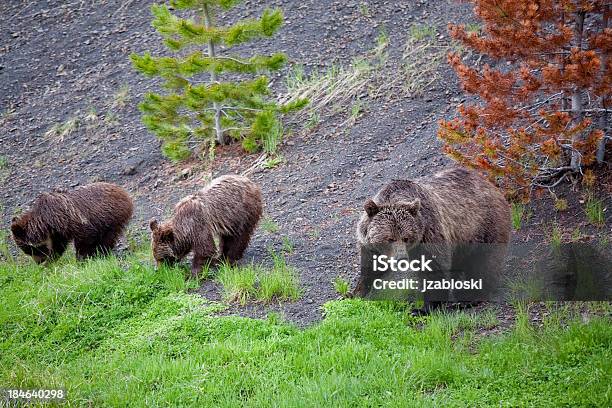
{"x":93,"y":216}
{"x":454,"y":207}
{"x":228,"y":208}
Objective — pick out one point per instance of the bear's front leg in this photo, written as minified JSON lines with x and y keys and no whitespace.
{"x":196,"y":265}
{"x":367,"y":274}
{"x":84,"y":249}
{"x":203,"y":254}
{"x":199,"y":261}
{"x":441,"y":256}
{"x":59,"y":245}
{"x":204,"y":251}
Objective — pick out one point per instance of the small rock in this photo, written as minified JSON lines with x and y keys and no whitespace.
{"x":129,"y":170}
{"x":185,"y":173}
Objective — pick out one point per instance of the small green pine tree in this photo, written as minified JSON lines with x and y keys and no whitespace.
{"x":195,"y":109}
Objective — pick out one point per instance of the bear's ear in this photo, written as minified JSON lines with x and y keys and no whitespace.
{"x":413,"y":206}
{"x":153,"y":224}
{"x":371,"y":208}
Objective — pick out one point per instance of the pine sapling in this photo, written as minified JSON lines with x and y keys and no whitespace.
{"x":199,"y":107}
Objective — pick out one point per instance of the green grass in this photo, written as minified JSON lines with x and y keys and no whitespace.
{"x":341,"y":286}
{"x":269,"y":225}
{"x":280,"y":283}
{"x":61,"y":130}
{"x":576,"y":234}
{"x":272,"y":138}
{"x":473,"y":28}
{"x":561,"y":204}
{"x":313,"y":121}
{"x":7,"y":114}
{"x":555,"y":235}
{"x":121,"y":97}
{"x":336,"y":88}
{"x":287,"y":245}
{"x":595,"y":211}
{"x":604,"y":241}
{"x":356,"y":109}
{"x":5,"y":253}
{"x":273,"y":161}
{"x":5,"y":169}
{"x":111,"y":118}
{"x":92,"y":116}
{"x":420,"y":65}
{"x":421,"y":32}
{"x":116,"y":333}
{"x":254,"y":282}
{"x":364,"y":9}
{"x":238,"y":283}
{"x":518,"y":215}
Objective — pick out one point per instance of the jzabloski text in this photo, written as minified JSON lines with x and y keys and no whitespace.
{"x":384,"y":263}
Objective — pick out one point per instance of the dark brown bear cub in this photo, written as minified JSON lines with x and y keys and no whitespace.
{"x":228,"y":209}
{"x":93,"y":216}
{"x":446,"y":213}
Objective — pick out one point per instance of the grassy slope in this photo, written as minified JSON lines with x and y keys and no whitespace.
{"x":116,"y":333}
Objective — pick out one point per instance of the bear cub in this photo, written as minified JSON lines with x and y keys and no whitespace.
{"x":93,"y":216}
{"x":228,"y":209}
{"x":455,"y":208}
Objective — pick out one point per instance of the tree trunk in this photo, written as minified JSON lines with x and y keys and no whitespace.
{"x":577,"y":114}
{"x":603,"y":119}
{"x":577,"y":95}
{"x":601,"y":146}
{"x":213,"y":78}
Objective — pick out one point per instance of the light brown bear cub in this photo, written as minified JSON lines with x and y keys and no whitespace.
{"x":228,"y":209}
{"x":93,"y":216}
{"x":450,"y":209}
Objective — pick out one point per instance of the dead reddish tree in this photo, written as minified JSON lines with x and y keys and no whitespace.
{"x":543,"y":104}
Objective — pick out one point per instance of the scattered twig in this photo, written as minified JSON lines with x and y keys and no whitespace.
{"x":124,"y":5}
{"x":21,"y":10}
{"x":556,"y":183}
{"x":258,"y":162}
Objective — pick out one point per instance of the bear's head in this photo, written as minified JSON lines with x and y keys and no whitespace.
{"x":162,"y":243}
{"x":28,"y":238}
{"x":392,"y":228}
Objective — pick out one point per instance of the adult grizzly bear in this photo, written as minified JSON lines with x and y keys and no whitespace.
{"x":447,"y":214}
{"x":93,"y":216}
{"x":228,"y":209}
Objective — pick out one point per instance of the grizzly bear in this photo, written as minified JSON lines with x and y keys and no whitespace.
{"x":227,"y":209}
{"x":454,"y":209}
{"x":93,"y":216}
